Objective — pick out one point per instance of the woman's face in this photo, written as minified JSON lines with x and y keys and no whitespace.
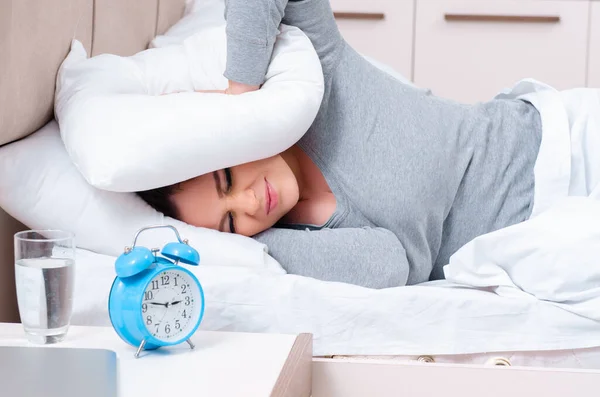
{"x":246,"y":199}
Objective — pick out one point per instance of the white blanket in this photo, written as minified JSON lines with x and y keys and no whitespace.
{"x":554,"y":256}
{"x":437,"y":318}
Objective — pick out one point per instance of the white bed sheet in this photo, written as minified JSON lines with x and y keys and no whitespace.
{"x":436,"y":319}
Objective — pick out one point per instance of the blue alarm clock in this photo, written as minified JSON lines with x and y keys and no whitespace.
{"x":153,"y":301}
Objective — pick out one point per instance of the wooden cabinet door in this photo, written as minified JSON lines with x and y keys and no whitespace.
{"x":469,"y":50}
{"x":380,"y":29}
{"x":594,"y":64}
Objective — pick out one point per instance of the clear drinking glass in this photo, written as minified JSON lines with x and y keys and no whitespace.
{"x":44,"y":274}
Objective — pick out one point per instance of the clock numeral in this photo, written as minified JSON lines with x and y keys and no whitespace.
{"x":148,"y":295}
{"x":183,"y":289}
{"x":167,"y":329}
{"x":157,"y":327}
{"x":154,"y":284}
{"x":184,"y":314}
{"x":149,"y":320}
{"x":175,"y":279}
{"x":187,"y":300}
{"x":177,"y":325}
{"x":164,"y":280}
{"x":144,"y":308}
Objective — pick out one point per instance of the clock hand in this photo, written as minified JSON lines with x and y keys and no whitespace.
{"x":159,"y":304}
{"x":175,"y":303}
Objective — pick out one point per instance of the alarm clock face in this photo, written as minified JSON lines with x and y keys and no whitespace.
{"x":171,"y":305}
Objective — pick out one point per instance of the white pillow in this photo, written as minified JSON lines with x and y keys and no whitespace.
{"x":40,"y":186}
{"x":199,"y":14}
{"x":124,"y":135}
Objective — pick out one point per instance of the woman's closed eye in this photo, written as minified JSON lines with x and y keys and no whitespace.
{"x":229,"y":186}
{"x":228,"y":179}
{"x":222,"y":190}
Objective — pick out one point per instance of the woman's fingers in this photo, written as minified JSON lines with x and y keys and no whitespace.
{"x":236,"y":88}
{"x":212,"y":91}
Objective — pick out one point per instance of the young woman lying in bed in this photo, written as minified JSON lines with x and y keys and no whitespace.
{"x":387,"y":183}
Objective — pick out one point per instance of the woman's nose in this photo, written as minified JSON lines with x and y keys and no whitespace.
{"x":246,"y":202}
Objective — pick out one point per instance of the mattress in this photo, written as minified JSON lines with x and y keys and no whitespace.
{"x":436,"y":320}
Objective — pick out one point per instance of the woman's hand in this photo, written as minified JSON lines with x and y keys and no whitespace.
{"x":211,"y":91}
{"x":233,"y":89}
{"x":239,"y":88}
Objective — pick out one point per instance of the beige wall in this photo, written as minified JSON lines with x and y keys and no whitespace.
{"x":8,"y":298}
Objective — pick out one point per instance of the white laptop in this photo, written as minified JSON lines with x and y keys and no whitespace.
{"x":61,"y":372}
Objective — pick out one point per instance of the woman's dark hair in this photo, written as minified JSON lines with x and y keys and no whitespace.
{"x":160,"y":200}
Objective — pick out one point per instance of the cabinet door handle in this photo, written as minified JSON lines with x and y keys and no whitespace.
{"x":374,"y":16}
{"x":502,"y":18}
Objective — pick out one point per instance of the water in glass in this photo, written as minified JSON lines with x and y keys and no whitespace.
{"x":44,"y":293}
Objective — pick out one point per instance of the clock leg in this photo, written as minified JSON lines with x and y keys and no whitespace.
{"x":189,"y":342}
{"x":137,"y":353}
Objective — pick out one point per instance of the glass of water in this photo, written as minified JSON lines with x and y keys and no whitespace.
{"x":44,"y":274}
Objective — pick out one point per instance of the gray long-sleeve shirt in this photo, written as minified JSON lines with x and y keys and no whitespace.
{"x":415,"y":176}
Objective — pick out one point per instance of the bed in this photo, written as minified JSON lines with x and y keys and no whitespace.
{"x":434,"y":324}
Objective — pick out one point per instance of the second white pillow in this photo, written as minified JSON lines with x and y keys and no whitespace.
{"x":41,"y":188}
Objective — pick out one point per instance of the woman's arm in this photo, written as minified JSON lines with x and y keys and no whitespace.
{"x":252,"y":26}
{"x":369,"y":257}
{"x":315,"y":18}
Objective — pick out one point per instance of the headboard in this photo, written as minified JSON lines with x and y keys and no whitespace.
{"x":35,"y":36}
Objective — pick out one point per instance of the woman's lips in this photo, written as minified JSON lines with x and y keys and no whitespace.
{"x":271,"y":197}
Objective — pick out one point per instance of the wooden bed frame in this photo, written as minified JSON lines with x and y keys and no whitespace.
{"x":362,"y":378}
